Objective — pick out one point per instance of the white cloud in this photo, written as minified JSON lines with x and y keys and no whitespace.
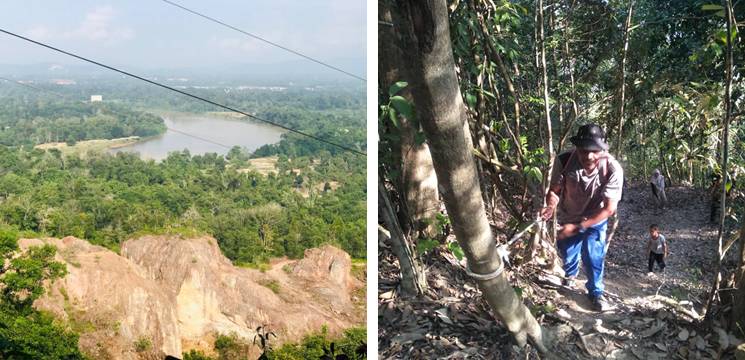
{"x":96,"y":26}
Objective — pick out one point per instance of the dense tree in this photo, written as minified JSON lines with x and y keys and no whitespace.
{"x":26,"y":333}
{"x":32,"y":123}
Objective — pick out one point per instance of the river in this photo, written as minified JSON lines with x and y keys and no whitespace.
{"x":204,"y":133}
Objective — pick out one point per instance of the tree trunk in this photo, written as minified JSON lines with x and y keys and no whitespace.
{"x":549,"y":141}
{"x":570,"y":69}
{"x":622,"y":100}
{"x":555,"y":65}
{"x":418,"y":183}
{"x":725,"y":158}
{"x":546,"y":106}
{"x":425,"y":34}
{"x":738,"y":312}
{"x":413,"y":279}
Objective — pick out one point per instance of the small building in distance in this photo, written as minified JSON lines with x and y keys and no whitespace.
{"x":96,"y":98}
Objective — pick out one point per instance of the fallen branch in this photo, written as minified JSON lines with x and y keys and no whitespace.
{"x":675,"y":306}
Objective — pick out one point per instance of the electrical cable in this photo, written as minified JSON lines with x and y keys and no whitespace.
{"x":262,"y":39}
{"x":184,"y":93}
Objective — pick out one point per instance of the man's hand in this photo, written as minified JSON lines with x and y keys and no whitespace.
{"x":567,"y":230}
{"x":547,"y":212}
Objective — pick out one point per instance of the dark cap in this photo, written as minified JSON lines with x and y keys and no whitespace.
{"x":590,"y":137}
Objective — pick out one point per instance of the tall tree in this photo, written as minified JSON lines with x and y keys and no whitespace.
{"x":424,"y":30}
{"x":725,"y":158}
{"x":622,"y":84}
{"x":418,"y":182}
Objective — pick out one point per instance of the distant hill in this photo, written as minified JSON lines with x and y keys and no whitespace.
{"x":281,"y":72}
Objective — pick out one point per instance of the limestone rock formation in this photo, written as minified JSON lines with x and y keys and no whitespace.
{"x":178,"y":294}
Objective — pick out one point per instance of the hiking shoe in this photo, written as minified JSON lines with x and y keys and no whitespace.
{"x":599,"y":304}
{"x":568,"y":282}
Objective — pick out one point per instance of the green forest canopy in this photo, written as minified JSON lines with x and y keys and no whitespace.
{"x":673,"y":85}
{"x":109,"y":198}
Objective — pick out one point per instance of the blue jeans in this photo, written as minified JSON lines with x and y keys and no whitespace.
{"x":591,"y":244}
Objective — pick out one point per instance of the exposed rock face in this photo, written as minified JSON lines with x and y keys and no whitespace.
{"x":179,"y":293}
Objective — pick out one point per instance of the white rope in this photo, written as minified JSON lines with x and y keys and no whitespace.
{"x":485,"y":277}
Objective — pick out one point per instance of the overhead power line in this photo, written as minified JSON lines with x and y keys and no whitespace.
{"x":264,"y":40}
{"x":346,"y":148}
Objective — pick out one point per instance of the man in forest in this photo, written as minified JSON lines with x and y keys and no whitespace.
{"x":715,"y":192}
{"x":657,"y":182}
{"x":586,"y":185}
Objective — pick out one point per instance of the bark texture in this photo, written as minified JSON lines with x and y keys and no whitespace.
{"x":425,"y":34}
{"x":418,"y":183}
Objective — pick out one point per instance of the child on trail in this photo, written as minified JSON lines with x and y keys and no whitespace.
{"x":657,"y":249}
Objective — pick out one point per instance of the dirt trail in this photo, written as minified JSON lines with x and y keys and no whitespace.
{"x":643,"y":303}
{"x":652,"y":316}
{"x":691,"y":241}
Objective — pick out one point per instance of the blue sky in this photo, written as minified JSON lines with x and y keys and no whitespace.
{"x":153,"y":34}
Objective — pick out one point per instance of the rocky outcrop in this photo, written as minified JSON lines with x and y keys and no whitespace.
{"x":173,"y":295}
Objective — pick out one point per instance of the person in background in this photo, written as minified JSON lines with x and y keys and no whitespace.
{"x":657,"y":181}
{"x":715,"y":192}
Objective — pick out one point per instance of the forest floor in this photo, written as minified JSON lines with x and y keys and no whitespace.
{"x":652,"y":317}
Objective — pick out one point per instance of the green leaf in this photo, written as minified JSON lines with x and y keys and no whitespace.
{"x":442,"y":219}
{"x":402,"y":106}
{"x":710,"y":7}
{"x":471,"y":100}
{"x":456,"y":250}
{"x":393,"y":116}
{"x":395,"y":88}
{"x":504,"y":145}
{"x":425,"y":245}
{"x":722,"y":36}
{"x":719,"y":13}
{"x":533,"y":173}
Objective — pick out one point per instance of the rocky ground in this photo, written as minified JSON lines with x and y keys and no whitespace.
{"x":653,"y":317}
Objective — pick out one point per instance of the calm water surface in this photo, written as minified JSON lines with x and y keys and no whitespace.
{"x":208,"y":131}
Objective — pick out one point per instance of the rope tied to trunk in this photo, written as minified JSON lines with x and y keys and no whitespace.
{"x":503,"y":252}
{"x":485,"y":277}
